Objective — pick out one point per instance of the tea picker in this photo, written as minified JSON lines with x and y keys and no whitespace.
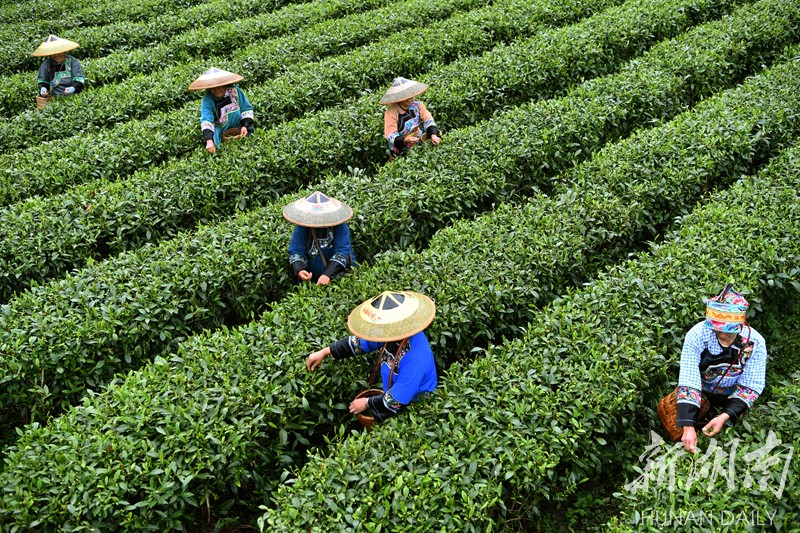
{"x":320,"y":248}
{"x":723,"y":367}
{"x":225,"y":112}
{"x":406,"y":120}
{"x":60,"y":74}
{"x":391,"y":323}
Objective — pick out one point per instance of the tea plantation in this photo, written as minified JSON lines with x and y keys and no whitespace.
{"x":605,"y":165}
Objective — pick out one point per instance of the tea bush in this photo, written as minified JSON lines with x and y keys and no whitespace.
{"x":488,"y":278}
{"x":91,"y":222}
{"x":218,"y":39}
{"x":119,"y":32}
{"x":538,"y":416}
{"x":140,"y":95}
{"x":88,"y":327}
{"x":140,"y":143}
{"x":763,"y":448}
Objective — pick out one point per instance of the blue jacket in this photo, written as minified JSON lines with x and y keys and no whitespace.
{"x":415,"y":373}
{"x":233,"y":110}
{"x":335,"y":246}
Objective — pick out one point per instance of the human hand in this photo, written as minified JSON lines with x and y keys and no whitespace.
{"x":304,"y":275}
{"x":316,"y":358}
{"x":323,"y":280}
{"x":211,"y":147}
{"x":715,"y":425}
{"x":411,"y":140}
{"x":244,"y":131}
{"x":43,"y":92}
{"x":359,"y":405}
{"x":689,"y":439}
{"x":435,"y":139}
{"x":69,"y":90}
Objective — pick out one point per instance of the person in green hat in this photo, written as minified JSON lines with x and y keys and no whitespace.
{"x":60,"y":74}
{"x":406,"y":120}
{"x":391,"y":323}
{"x":320,"y":249}
{"x":225,"y":112}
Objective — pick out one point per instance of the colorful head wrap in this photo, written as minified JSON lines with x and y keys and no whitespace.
{"x":726,"y":311}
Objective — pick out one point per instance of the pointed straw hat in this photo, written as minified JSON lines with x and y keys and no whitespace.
{"x":215,"y":77}
{"x":54,"y":45}
{"x":317,"y":210}
{"x":402,"y":89}
{"x":391,"y":316}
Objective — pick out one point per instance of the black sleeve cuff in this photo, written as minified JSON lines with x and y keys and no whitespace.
{"x":432,"y":130}
{"x":78,"y":86}
{"x":379,"y":409}
{"x":687,"y":415}
{"x":347,"y":347}
{"x":735,"y":409}
{"x":246,"y":123}
{"x":400,"y":143}
{"x":299,"y":266}
{"x":44,"y":86}
{"x":333,"y":269}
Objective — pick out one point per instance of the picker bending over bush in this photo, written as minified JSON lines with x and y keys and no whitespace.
{"x":723,"y":367}
{"x":225,"y":112}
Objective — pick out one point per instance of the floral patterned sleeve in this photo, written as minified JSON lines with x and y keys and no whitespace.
{"x":751,"y":383}
{"x":690,"y":386}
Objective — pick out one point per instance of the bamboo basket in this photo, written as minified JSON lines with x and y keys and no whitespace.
{"x":668,"y":414}
{"x":231,"y":134}
{"x":41,"y":101}
{"x":368,"y":421}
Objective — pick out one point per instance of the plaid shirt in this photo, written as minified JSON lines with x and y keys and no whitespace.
{"x":745,"y":383}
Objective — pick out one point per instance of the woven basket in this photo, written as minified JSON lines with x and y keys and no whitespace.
{"x":231,"y":134}
{"x":41,"y":101}
{"x":367,"y":421}
{"x":668,"y":414}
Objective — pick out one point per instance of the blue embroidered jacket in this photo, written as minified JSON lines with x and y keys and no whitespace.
{"x":415,"y":371}
{"x":334,"y":245}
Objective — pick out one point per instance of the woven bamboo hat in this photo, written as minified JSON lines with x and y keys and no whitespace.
{"x":317,"y":210}
{"x":402,"y":89}
{"x":54,"y":45}
{"x":215,"y":77}
{"x":391,"y":316}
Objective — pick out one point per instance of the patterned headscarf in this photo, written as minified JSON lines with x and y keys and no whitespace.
{"x":726,"y":311}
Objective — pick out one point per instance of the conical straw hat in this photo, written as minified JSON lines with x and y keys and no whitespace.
{"x":54,"y":45}
{"x":214,"y":77}
{"x":317,"y":210}
{"x":391,"y":316}
{"x":401,"y":89}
